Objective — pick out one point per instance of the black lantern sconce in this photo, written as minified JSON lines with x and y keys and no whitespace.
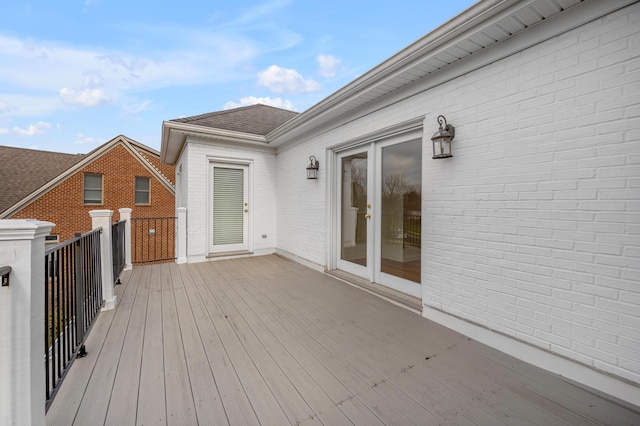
{"x":312,"y":168}
{"x":442,"y":139}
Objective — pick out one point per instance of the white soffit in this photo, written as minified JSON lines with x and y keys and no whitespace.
{"x":485,"y":24}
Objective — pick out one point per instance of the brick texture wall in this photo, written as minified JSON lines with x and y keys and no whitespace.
{"x":196,"y":162}
{"x":64,"y":206}
{"x":531,"y":229}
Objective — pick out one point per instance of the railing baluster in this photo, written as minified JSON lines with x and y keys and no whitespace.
{"x":47,"y":333}
{"x":156,"y":247}
{"x":73,"y":298}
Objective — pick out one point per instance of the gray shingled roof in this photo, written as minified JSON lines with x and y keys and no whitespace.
{"x":23,"y":171}
{"x":255,"y":119}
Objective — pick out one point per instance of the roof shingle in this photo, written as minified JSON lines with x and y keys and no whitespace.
{"x":255,"y":119}
{"x":23,"y":171}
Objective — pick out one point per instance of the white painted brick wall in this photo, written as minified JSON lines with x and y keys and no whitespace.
{"x":532,"y":229}
{"x":301,"y":203}
{"x":262,"y":201}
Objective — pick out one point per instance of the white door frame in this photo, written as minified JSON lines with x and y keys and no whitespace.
{"x":372,"y":271}
{"x":247,"y":167}
{"x":353,"y":268}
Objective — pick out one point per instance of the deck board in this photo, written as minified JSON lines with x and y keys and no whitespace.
{"x":267,"y":341}
{"x":124,"y":395}
{"x":151,"y":395}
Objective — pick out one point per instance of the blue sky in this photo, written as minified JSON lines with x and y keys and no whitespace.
{"x":75,"y":74}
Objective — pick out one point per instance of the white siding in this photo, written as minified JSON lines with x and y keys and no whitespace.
{"x":532,"y":228}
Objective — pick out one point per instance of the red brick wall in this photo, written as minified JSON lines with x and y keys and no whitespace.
{"x":64,"y":206}
{"x":167,"y":170}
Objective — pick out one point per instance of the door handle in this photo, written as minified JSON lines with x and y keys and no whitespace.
{"x":246,"y":210}
{"x":367,"y":216}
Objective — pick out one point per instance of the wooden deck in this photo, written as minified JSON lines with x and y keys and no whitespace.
{"x":267,"y":341}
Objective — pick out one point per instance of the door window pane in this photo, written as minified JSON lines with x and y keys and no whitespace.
{"x":354,"y":208}
{"x":401,"y":220}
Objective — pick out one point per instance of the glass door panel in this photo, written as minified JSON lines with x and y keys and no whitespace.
{"x":354,"y":214}
{"x":401,"y":210}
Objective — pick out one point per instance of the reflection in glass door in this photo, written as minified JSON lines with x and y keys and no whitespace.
{"x":354,"y":214}
{"x":401,"y":210}
{"x":380,"y":213}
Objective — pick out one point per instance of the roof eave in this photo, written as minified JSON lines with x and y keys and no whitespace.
{"x":174,"y":137}
{"x":465,"y":21}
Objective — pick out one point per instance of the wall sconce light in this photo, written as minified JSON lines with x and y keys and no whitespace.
{"x":5,"y":272}
{"x":442,"y":139}
{"x":312,"y":168}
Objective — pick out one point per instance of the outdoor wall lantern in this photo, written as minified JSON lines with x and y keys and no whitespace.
{"x":442,"y":139}
{"x":5,"y":271}
{"x":312,"y":168}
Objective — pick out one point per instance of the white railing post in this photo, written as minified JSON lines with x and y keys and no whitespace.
{"x":125,"y":214}
{"x":102,"y":219}
{"x":181,"y":236}
{"x":22,"y":376}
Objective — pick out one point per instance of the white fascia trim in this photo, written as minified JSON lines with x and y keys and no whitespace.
{"x":476,"y":18}
{"x":464,"y":22}
{"x":163,"y":180}
{"x":172,"y":130}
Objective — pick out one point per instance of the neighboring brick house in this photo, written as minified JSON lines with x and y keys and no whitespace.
{"x":63,"y":188}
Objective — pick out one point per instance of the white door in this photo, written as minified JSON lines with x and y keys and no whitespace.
{"x":354,"y":191}
{"x":398,"y":214}
{"x":379,"y":213}
{"x":229,"y":211}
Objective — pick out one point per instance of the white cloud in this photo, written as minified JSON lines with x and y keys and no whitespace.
{"x":28,"y":106}
{"x":3,"y":131}
{"x":328,"y":65}
{"x":133,"y":108}
{"x":33,"y":129}
{"x":285,"y":80}
{"x":252,"y":100}
{"x":86,"y":140}
{"x":193,"y":58}
{"x":85,"y":98}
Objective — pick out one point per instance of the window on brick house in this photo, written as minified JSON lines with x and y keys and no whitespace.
{"x":92,"y":188}
{"x":51,"y":240}
{"x":143,"y":190}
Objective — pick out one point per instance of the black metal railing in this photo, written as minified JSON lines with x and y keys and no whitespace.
{"x":118,"y":247}
{"x":405,"y":230}
{"x":73,"y":298}
{"x":412,"y":230}
{"x":153,"y":239}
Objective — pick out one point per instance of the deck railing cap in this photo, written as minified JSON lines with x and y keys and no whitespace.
{"x":23,"y":229}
